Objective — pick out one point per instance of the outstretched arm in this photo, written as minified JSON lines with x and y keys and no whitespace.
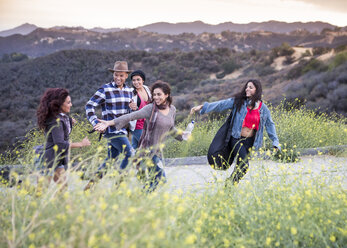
{"x":218,"y":106}
{"x":83,"y":143}
{"x":121,"y":121}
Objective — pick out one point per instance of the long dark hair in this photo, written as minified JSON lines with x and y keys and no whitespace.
{"x":165,"y":87}
{"x":50,"y":104}
{"x":241,"y":97}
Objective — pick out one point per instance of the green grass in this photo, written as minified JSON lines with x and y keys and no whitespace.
{"x":294,"y":209}
{"x":296,"y":129}
{"x":260,"y":212}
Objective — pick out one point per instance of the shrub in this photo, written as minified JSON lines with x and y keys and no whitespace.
{"x":230,"y":66}
{"x":338,"y":60}
{"x":314,"y":64}
{"x":303,"y":128}
{"x":320,"y":50}
{"x":289,"y":60}
{"x":305,"y":66}
{"x":284,"y":50}
{"x":14,"y":57}
{"x":264,"y":69}
{"x":340,"y":48}
{"x":307,"y":53}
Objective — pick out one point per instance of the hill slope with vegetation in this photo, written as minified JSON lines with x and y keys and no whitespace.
{"x":46,"y":41}
{"x":194,"y":76}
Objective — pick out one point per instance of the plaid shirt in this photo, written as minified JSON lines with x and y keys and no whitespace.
{"x":114,"y":103}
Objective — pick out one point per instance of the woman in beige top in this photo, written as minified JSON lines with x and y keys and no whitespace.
{"x":160,"y":121}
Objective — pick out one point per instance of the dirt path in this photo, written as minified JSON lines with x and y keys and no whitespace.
{"x":196,"y":176}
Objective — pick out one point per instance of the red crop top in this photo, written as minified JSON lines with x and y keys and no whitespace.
{"x":252,"y":118}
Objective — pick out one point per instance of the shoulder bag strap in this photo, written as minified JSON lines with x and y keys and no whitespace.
{"x":232,"y":117}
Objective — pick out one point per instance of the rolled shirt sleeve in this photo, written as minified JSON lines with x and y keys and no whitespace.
{"x":97,"y":99}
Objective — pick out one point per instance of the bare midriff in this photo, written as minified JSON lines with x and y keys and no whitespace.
{"x":247,"y":132}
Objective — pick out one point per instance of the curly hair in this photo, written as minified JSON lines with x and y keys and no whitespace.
{"x":240,"y":97}
{"x":50,"y":105}
{"x":165,"y":87}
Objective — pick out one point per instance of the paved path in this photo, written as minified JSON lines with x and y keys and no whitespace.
{"x":194,"y":176}
{"x":198,"y":173}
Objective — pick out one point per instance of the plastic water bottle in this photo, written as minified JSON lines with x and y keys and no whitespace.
{"x":188,"y":130}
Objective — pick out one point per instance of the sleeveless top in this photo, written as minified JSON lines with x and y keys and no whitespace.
{"x":252,"y":118}
{"x":140,"y":122}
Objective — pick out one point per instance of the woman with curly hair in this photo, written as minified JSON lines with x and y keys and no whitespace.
{"x":53,"y":119}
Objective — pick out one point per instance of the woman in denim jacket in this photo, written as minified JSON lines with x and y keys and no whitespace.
{"x":252,"y":115}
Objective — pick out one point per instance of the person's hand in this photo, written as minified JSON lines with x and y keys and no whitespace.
{"x":85,"y":142}
{"x":73,"y":121}
{"x":100,"y":127}
{"x":195,"y":109}
{"x":186,"y":135}
{"x":133,"y":105}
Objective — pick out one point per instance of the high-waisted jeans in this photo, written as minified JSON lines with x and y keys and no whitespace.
{"x":240,"y":151}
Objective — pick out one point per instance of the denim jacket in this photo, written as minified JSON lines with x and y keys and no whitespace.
{"x":265,"y":120}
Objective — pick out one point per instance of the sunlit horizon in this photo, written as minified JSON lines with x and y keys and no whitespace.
{"x":120,"y":14}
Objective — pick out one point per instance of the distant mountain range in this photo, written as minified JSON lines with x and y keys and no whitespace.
{"x":195,"y":77}
{"x":197,"y":27}
{"x":41,"y":41}
{"x":23,"y":29}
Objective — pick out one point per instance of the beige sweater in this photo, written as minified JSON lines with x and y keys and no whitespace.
{"x":164,"y":125}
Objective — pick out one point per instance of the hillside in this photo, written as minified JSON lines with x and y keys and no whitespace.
{"x":42,"y":42}
{"x":194,"y":76}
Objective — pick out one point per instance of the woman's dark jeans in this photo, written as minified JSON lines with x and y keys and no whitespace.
{"x":240,"y":151}
{"x":156,"y":174}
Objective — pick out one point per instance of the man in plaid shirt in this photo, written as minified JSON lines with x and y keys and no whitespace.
{"x":114,"y":99}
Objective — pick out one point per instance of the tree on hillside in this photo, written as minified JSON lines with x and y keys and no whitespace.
{"x":284,"y":50}
{"x":13,"y":57}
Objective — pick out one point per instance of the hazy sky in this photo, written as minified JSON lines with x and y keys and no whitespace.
{"x":134,"y":13}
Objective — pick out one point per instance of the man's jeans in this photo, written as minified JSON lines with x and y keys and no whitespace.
{"x":117,"y":144}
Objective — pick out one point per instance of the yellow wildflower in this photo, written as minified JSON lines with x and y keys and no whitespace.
{"x":55,"y":148}
{"x":190,"y":239}
{"x":332,"y":238}
{"x":268,"y":241}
